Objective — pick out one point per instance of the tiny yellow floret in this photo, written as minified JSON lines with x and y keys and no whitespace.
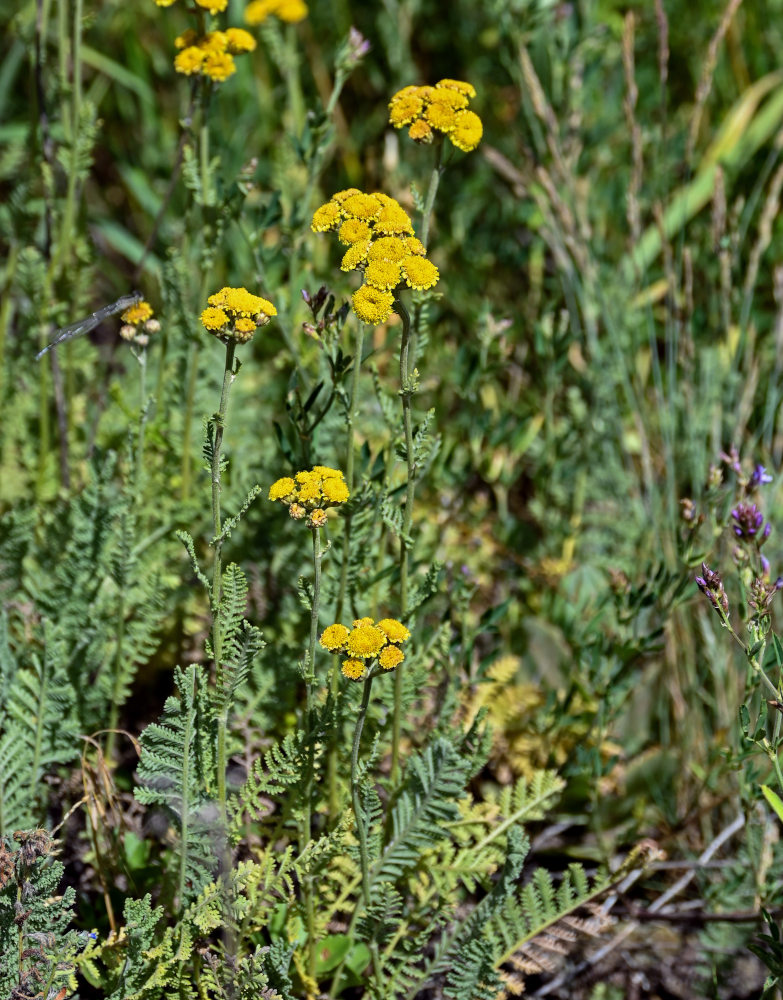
{"x":372,"y":305}
{"x":394,"y":221}
{"x":395,"y":631}
{"x":213,"y":6}
{"x":185,"y":39}
{"x":448,"y":98}
{"x":362,"y":621}
{"x":333,"y":637}
{"x":403,"y":109}
{"x":352,"y":669}
{"x":441,"y":117}
{"x":390,"y":657}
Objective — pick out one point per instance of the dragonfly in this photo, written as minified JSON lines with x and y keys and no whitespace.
{"x":84,"y":326}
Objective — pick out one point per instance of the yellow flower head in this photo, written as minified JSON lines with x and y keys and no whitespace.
{"x":421,"y":131}
{"x":404,"y":108}
{"x":352,"y":669}
{"x":353,"y":230}
{"x":415,"y":245}
{"x":361,"y":206}
{"x":362,"y":621}
{"x":394,"y":630}
{"x":218,"y":66}
{"x":164,"y":3}
{"x":283,"y":489}
{"x":467,"y":131}
{"x":326,"y":473}
{"x":365,"y":641}
{"x":287,"y":10}
{"x":292,"y":11}
{"x":448,"y":98}
{"x":214,"y":319}
{"x":372,"y":305}
{"x":189,"y":60}
{"x":335,"y":490}
{"x":238,"y":40}
{"x":390,"y":657}
{"x":342,"y":195}
{"x":355,"y":255}
{"x":325,"y":218}
{"x":333,"y":637}
{"x":137,"y":314}
{"x":464,"y":88}
{"x":382,"y":274}
{"x":394,"y":221}
{"x":388,"y":248}
{"x":213,"y":41}
{"x":441,"y":117}
{"x":419,"y":272}
{"x":213,"y":6}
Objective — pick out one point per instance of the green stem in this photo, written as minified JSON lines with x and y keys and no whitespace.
{"x":306,"y":833}
{"x":341,"y":593}
{"x":406,"y":392}
{"x":432,"y":191}
{"x":361,"y":826}
{"x":217,"y":570}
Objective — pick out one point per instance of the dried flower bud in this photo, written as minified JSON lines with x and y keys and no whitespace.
{"x":152,"y":326}
{"x":141,"y":339}
{"x":687,"y":509}
{"x":127,"y":332}
{"x":711,"y":585}
{"x":317,"y":518}
{"x":297,"y":511}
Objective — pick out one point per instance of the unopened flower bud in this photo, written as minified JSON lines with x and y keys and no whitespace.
{"x":317,"y":518}
{"x":152,"y":326}
{"x":297,"y":511}
{"x":141,"y":339}
{"x":127,"y":332}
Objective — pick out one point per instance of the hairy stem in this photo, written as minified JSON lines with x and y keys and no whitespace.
{"x":406,"y":392}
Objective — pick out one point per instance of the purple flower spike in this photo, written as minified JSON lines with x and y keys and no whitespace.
{"x":760,"y":476}
{"x":749,"y":520}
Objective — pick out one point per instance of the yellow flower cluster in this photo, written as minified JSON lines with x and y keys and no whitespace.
{"x":367,"y":640}
{"x":442,"y":108}
{"x":212,"y":54}
{"x":287,"y":10}
{"x":309,"y":493}
{"x":138,"y":323}
{"x":379,"y":235}
{"x":235,"y":313}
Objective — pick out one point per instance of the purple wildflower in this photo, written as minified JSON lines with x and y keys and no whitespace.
{"x":732,"y":459}
{"x":749,"y":520}
{"x":711,"y":585}
{"x":760,"y":476}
